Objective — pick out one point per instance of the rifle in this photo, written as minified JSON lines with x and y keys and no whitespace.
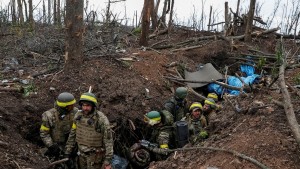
{"x":148,"y":144}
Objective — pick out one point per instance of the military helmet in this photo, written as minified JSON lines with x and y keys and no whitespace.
{"x":211,"y":102}
{"x":88,"y":97}
{"x":65,"y":99}
{"x":213,"y":96}
{"x":195,"y":105}
{"x":152,"y":117}
{"x":181,"y":92}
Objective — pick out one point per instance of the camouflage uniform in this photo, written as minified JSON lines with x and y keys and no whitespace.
{"x":162,"y":135}
{"x":196,"y":126}
{"x":177,"y":108}
{"x":94,"y":138}
{"x":210,"y":110}
{"x":56,"y":126}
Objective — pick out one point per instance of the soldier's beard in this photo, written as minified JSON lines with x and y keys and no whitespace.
{"x":86,"y":112}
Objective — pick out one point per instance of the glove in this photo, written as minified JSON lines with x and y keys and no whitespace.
{"x":54,"y":150}
{"x":203,"y":134}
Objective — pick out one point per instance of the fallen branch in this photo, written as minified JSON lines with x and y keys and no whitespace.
{"x":197,"y":94}
{"x":58,"y":162}
{"x":278,"y":103}
{"x":44,"y":72}
{"x":255,"y":33}
{"x":235,"y":153}
{"x":288,"y":106}
{"x":293,"y":88}
{"x":190,"y":47}
{"x":212,"y":81}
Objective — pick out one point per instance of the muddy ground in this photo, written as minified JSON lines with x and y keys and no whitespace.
{"x":120,"y":88}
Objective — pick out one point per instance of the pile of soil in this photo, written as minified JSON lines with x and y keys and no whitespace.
{"x":120,"y":86}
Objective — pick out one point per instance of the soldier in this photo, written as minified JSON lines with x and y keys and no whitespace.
{"x":215,"y":97}
{"x":91,"y":130}
{"x":161,"y":123}
{"x":209,"y":110}
{"x":56,"y":124}
{"x":197,"y":122}
{"x":177,"y":105}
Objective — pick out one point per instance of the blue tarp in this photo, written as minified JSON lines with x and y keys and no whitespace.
{"x":118,"y":162}
{"x":234,"y":81}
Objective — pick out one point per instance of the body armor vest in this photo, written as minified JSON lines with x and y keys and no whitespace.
{"x":86,"y":133}
{"x":62,"y":127}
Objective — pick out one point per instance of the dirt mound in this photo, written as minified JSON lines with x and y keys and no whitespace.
{"x":120,"y":82}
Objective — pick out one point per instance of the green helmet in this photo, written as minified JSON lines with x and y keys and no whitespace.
{"x":195,"y":105}
{"x":210,"y":102}
{"x":88,"y":97}
{"x":213,"y":96}
{"x":181,"y":92}
{"x":152,"y":118}
{"x":65,"y":99}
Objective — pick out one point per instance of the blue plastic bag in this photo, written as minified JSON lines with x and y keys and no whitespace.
{"x":118,"y":162}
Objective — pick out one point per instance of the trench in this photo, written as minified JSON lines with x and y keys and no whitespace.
{"x":125,"y":135}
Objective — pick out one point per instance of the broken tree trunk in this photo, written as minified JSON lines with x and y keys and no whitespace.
{"x":288,"y":107}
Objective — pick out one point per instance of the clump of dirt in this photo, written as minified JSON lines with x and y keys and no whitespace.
{"x":120,"y":86}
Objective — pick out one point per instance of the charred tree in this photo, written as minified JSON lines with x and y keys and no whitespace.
{"x":54,"y":13}
{"x":25,"y":11}
{"x":154,"y":14}
{"x":58,"y":16}
{"x":145,"y":23}
{"x":171,"y":16}
{"x":44,"y":12}
{"x":250,"y":17}
{"x":20,"y":12}
{"x":226,"y":26}
{"x":209,"y":20}
{"x":31,"y":20}
{"x":13,"y":12}
{"x":166,"y":9}
{"x":74,"y":34}
{"x":49,"y":11}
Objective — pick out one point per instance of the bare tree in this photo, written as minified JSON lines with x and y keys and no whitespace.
{"x":145,"y":23}
{"x":49,"y":11}
{"x":54,"y":12}
{"x":154,"y":13}
{"x":13,"y":12}
{"x":166,"y":9}
{"x":44,"y":12}
{"x":74,"y":34}
{"x":209,"y":20}
{"x":226,"y":26}
{"x":249,"y":25}
{"x":171,"y":16}
{"x":25,"y":10}
{"x":31,"y":20}
{"x":271,"y":17}
{"x":58,"y":16}
{"x":20,"y":12}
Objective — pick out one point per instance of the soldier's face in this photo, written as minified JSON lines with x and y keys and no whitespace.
{"x":206,"y":107}
{"x":70,"y":107}
{"x":196,"y":113}
{"x":86,"y":108}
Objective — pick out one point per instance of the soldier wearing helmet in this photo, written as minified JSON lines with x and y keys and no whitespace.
{"x":92,"y":133}
{"x":209,"y":109}
{"x":56,"y":124}
{"x":177,"y":105}
{"x":161,"y":123}
{"x":215,"y":97}
{"x":197,"y":122}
